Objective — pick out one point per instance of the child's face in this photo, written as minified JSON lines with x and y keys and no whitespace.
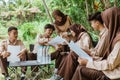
{"x":13,"y":34}
{"x":48,"y":32}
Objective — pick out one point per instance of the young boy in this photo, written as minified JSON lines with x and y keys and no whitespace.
{"x":4,"y":53}
{"x":42,"y":40}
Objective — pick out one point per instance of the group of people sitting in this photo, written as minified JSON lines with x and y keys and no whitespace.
{"x":106,"y":54}
{"x":68,"y":65}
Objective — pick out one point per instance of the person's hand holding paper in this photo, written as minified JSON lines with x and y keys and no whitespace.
{"x":74,"y":47}
{"x":57,"y":41}
{"x":14,"y":51}
{"x":21,"y":54}
{"x":5,"y":54}
{"x":88,"y":52}
{"x":82,"y":61}
{"x":59,"y":47}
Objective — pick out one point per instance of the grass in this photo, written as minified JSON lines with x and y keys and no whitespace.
{"x":1,"y":76}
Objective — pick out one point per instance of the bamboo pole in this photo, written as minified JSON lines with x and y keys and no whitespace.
{"x":115,"y":2}
{"x":47,"y":11}
{"x":87,"y":11}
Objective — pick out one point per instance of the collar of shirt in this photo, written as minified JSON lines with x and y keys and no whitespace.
{"x":10,"y":43}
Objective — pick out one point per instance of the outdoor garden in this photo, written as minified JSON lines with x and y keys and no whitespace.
{"x":30,"y":17}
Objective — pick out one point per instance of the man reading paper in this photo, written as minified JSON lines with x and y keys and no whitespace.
{"x":7,"y":51}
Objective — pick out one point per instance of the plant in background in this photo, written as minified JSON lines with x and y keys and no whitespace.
{"x":3,"y":32}
{"x":27,"y":32}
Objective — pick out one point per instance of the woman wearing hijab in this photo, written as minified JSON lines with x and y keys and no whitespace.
{"x":109,"y":67}
{"x":83,"y":40}
{"x":62,"y":23}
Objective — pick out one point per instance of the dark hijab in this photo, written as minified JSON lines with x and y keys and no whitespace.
{"x":111,"y":18}
{"x":59,"y":13}
{"x":77,"y":29}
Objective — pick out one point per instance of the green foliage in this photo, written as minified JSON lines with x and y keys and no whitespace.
{"x":29,"y":30}
{"x":3,"y":32}
{"x":94,"y":36}
{"x":119,"y":3}
{"x":18,"y":14}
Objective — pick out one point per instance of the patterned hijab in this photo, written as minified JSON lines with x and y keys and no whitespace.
{"x":59,"y":13}
{"x":111,"y":18}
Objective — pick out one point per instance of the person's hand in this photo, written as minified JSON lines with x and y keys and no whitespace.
{"x":65,"y":35}
{"x":22,"y":53}
{"x":64,"y":53}
{"x":59,"y":46}
{"x":97,"y":58}
{"x":5,"y":54}
{"x":45,"y":42}
{"x":50,"y":39}
{"x":82,"y":61}
{"x":87,"y":51}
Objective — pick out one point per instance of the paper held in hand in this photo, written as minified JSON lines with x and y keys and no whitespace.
{"x":57,"y":40}
{"x":14,"y":51}
{"x":79,"y":51}
{"x":72,"y":45}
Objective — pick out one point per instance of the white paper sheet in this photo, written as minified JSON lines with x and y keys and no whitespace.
{"x":14,"y":50}
{"x":79,"y":51}
{"x":57,"y":40}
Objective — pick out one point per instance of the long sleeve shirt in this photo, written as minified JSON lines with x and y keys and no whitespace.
{"x":101,"y":46}
{"x":85,"y":41}
{"x":110,"y":66}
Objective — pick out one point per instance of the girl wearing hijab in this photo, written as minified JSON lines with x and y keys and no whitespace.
{"x":109,"y":67}
{"x":62,"y":23}
{"x":83,"y":40}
